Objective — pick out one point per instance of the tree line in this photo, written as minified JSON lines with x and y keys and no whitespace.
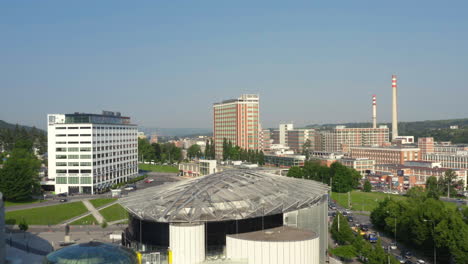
{"x":354,"y":245}
{"x":423,"y":221}
{"x":444,"y":186}
{"x":158,"y":152}
{"x":9,"y":137}
{"x":342,"y":178}
{"x":234,"y":152}
{"x":19,"y":176}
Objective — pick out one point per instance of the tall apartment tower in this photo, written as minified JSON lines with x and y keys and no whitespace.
{"x":91,"y":152}
{"x":394,"y":108}
{"x":236,"y":120}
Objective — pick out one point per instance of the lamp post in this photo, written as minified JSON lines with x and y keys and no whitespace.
{"x":395,"y":219}
{"x":433,"y":237}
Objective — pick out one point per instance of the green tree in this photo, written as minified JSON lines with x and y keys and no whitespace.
{"x":194,"y":151}
{"x":19,"y":175}
{"x":346,"y":252}
{"x":261,"y":158}
{"x":367,"y":186}
{"x":341,"y":232}
{"x":295,"y":172}
{"x":432,"y":187}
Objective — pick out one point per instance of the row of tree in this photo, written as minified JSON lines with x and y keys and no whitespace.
{"x":422,"y":221}
{"x":354,"y":245}
{"x":444,"y":186}
{"x":9,"y":137}
{"x":233,"y":152}
{"x":158,"y":152}
{"x":341,"y":178}
{"x":19,"y":176}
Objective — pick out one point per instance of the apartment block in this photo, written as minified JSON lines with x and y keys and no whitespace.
{"x":342,"y":139}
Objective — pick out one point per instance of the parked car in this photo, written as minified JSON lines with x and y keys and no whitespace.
{"x":408,"y":254}
{"x":409,"y":262}
{"x":393,"y":246}
{"x":62,"y":194}
{"x":364,"y":228}
{"x":63,"y":200}
{"x":400,"y":259}
{"x":420,"y":261}
{"x":129,"y":188}
{"x":350,"y":219}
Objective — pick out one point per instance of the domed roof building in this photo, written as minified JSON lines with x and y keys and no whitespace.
{"x":193,"y":217}
{"x":92,"y":253}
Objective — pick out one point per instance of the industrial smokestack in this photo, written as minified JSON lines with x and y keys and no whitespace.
{"x":374,"y":112}
{"x":394,"y":108}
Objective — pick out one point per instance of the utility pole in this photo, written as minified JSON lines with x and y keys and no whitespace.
{"x":349,"y":198}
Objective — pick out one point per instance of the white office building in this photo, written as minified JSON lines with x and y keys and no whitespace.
{"x":90,"y":152}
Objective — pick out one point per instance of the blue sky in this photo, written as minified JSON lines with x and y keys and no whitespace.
{"x":165,"y":62}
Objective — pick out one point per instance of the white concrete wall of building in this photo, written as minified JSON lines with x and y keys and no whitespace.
{"x":273,"y":252}
{"x":312,"y":219}
{"x":187,"y":243}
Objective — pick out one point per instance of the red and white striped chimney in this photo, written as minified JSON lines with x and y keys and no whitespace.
{"x":394,"y":108}
{"x":374,"y":111}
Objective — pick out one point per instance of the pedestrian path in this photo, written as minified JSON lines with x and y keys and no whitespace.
{"x":91,"y":210}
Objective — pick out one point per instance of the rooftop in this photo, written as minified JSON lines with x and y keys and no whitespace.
{"x":227,"y":195}
{"x":282,"y":233}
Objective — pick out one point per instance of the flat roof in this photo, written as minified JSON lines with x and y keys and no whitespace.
{"x":277,"y":234}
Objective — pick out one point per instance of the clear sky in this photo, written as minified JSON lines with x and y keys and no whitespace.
{"x":165,"y":62}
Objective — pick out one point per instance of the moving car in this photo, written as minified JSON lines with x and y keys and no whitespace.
{"x":63,"y":200}
{"x":149,"y":180}
{"x":420,"y":261}
{"x":408,"y":254}
{"x":129,"y":188}
{"x":350,"y":219}
{"x":393,"y":246}
{"x":400,"y":259}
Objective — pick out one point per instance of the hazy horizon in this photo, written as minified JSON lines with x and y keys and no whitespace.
{"x":165,"y":63}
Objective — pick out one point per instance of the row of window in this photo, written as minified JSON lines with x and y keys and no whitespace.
{"x":73,"y":157}
{"x":72,"y":164}
{"x":99,"y":127}
{"x":73,"y":171}
{"x":73,"y":180}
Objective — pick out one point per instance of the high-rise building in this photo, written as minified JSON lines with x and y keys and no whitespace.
{"x":237,"y":120}
{"x":90,"y":152}
{"x":296,"y":139}
{"x":426,"y":145}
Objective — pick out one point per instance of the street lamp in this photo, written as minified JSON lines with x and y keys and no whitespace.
{"x":433,"y":237}
{"x":395,"y":228}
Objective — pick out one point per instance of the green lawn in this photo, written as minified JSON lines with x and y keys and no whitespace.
{"x":157,"y":168}
{"x":114,"y":212}
{"x":54,"y":214}
{"x":87,"y":220}
{"x":101,"y":201}
{"x":8,"y":203}
{"x":362,"y":201}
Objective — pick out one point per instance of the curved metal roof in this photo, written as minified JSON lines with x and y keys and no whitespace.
{"x":226,"y":195}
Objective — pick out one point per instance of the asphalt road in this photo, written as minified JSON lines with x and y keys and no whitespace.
{"x":158,"y":177}
{"x":360,"y":218}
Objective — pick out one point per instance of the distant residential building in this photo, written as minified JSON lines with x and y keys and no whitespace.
{"x":423,"y":164}
{"x":453,"y":127}
{"x":154,"y":138}
{"x":141,"y":135}
{"x":404,"y":140}
{"x":284,"y":161}
{"x":426,"y":145}
{"x":342,"y":139}
{"x":362,"y":165}
{"x":90,"y":152}
{"x":237,"y":120}
{"x":286,"y":135}
{"x":199,"y":168}
{"x":419,"y":174}
{"x":265,"y":140}
{"x":387,"y":155}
